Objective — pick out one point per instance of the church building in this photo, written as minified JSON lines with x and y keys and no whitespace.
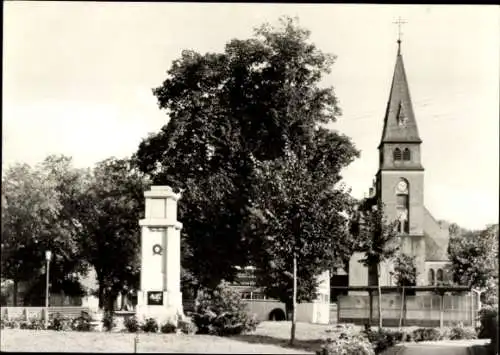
{"x":399,"y":185}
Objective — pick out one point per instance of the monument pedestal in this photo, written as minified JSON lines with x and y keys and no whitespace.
{"x":159,"y":296}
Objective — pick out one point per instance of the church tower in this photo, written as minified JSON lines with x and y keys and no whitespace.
{"x":400,"y":177}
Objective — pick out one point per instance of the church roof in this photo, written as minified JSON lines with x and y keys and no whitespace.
{"x":399,"y":121}
{"x":436,"y":238}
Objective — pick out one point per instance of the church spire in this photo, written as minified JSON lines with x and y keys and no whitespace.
{"x":400,"y":125}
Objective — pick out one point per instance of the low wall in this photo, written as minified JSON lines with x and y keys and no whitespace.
{"x":421,"y":310}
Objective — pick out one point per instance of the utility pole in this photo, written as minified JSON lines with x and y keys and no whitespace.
{"x":294,"y":300}
{"x":48,"y":256}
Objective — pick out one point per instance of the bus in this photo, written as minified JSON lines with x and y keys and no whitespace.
{"x":266,"y":308}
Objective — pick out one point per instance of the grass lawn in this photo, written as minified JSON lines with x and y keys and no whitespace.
{"x":269,"y":338}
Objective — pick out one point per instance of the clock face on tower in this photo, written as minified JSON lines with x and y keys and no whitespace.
{"x":402,"y":186}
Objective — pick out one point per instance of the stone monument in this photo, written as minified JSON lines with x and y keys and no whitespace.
{"x":160,"y":293}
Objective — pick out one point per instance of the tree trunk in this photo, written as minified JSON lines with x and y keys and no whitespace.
{"x":402,"y":308}
{"x":405,"y":310}
{"x":370,"y":300}
{"x":109,"y":304}
{"x":379,"y":291}
{"x":14,"y":296}
{"x":294,"y":301}
{"x":123,"y":300}
{"x":101,"y":296}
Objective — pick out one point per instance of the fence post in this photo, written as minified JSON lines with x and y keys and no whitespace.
{"x":441,"y":313}
{"x":471,"y":300}
{"x":338,"y":310}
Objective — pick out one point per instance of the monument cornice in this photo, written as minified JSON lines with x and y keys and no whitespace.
{"x":160,"y":222}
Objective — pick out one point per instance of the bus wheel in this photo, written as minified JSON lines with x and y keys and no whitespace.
{"x":277,"y":315}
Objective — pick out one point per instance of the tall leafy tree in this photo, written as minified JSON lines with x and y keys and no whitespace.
{"x":110,"y":211}
{"x":296,"y":214}
{"x":229,"y":112}
{"x":27,"y":204}
{"x":474,"y":260}
{"x":379,"y":242}
{"x":38,"y":206}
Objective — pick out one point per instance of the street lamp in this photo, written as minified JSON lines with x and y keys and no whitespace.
{"x":48,"y":256}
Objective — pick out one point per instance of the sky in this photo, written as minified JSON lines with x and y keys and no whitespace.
{"x":77,"y":80}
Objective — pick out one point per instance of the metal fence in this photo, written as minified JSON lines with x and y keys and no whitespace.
{"x":420,"y":310}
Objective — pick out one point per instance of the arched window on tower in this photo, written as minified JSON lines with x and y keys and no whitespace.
{"x":406,"y":154}
{"x":439,"y":276}
{"x":397,"y":154}
{"x":432,"y":277}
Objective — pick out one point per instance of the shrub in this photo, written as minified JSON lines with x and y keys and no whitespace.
{"x":488,"y":316}
{"x":187,"y":327}
{"x":384,"y":338}
{"x":108,"y":321}
{"x":36,"y":324}
{"x":131,"y":324}
{"x":354,"y":345}
{"x":168,"y":328}
{"x":150,"y":325}
{"x":426,"y":334}
{"x":11,"y":324}
{"x":82,"y":323}
{"x":222,"y":312}
{"x":58,"y":322}
{"x":458,"y":333}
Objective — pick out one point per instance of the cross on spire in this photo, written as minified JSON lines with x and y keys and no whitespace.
{"x":399,"y":22}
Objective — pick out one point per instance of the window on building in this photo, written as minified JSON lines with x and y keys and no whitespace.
{"x":439,"y":276}
{"x":432,"y":277}
{"x":397,"y":154}
{"x":406,"y":154}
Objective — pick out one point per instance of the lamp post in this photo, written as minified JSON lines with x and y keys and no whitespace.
{"x":48,"y":256}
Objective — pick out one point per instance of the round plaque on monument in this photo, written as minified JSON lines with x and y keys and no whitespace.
{"x":157,"y":249}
